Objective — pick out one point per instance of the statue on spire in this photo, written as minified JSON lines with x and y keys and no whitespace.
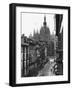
{"x":44,"y":23}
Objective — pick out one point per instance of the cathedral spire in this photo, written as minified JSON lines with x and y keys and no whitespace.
{"x":34,"y":32}
{"x":44,"y":23}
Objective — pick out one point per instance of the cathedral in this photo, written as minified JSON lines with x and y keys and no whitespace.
{"x":44,"y":34}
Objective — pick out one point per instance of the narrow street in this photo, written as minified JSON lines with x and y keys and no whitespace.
{"x":47,"y":70}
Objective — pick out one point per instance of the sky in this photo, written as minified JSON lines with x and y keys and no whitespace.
{"x":33,"y":21}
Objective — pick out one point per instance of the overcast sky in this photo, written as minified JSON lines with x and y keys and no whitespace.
{"x":31,"y":22}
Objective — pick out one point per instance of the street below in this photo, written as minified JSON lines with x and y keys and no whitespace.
{"x":47,"y":70}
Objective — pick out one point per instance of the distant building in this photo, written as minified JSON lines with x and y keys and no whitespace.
{"x":44,"y":34}
{"x":44,"y":31}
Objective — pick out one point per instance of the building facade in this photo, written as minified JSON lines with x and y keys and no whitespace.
{"x":59,"y":49}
